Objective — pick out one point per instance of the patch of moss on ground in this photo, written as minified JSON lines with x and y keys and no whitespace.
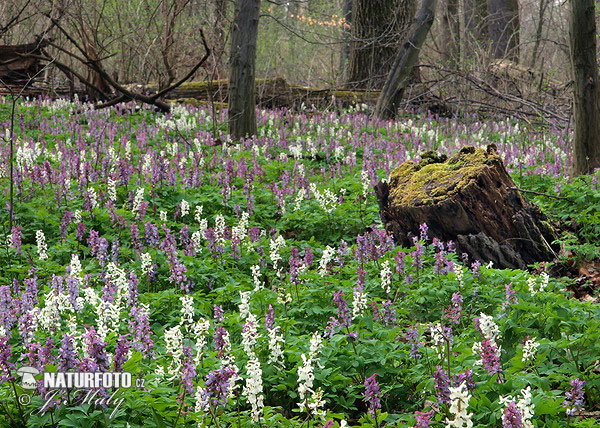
{"x":432,"y":180}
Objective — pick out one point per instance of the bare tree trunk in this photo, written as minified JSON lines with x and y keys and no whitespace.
{"x":388,"y":101}
{"x":346,"y":47}
{"x":451,"y":32}
{"x":378,"y":26}
{"x":242,"y":97}
{"x":586,"y":92}
{"x":220,"y":34}
{"x":538,"y":31}
{"x":503,"y":26}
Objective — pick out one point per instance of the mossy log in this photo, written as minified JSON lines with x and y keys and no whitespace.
{"x":470,"y":199}
{"x":270,"y":93}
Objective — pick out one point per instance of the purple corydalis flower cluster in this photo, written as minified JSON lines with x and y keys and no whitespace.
{"x":387,"y":315}
{"x":511,"y":297}
{"x":454,"y":312}
{"x":423,"y":419}
{"x":343,"y":312}
{"x":67,"y":359}
{"x":6,"y":365}
{"x":217,"y":385}
{"x":574,"y":397}
{"x":512,"y":417}
{"x":412,"y":335}
{"x":372,"y":394}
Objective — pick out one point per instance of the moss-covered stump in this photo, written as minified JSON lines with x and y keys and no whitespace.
{"x":470,"y":199}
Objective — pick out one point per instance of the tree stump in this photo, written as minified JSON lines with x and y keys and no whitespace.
{"x":469,"y":199}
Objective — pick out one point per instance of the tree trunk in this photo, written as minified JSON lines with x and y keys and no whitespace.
{"x":586,"y":96}
{"x":242,"y":96}
{"x":378,"y":27}
{"x":503,"y":27}
{"x":346,"y":47}
{"x":451,"y":33}
{"x":406,"y":58}
{"x":471,"y":200}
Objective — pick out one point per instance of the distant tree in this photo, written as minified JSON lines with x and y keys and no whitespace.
{"x":406,"y":58}
{"x":242,"y":96}
{"x":586,"y":89}
{"x":378,"y":29}
{"x":503,"y":28}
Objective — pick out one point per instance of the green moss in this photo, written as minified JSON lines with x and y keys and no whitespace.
{"x":434,"y":178}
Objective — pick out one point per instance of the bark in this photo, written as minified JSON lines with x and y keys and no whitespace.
{"x":469,"y":199}
{"x":242,"y":94}
{"x":586,"y":95}
{"x":451,"y":32}
{"x":378,"y":27}
{"x":406,"y":58}
{"x":503,"y":27}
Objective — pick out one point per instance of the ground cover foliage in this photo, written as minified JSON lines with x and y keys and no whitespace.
{"x":252,"y":284}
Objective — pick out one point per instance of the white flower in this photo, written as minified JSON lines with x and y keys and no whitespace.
{"x":42,"y":248}
{"x":174,"y":347}
{"x":386,"y":276}
{"x":489,"y":329}
{"x":458,"y":271}
{"x":250,"y":334}
{"x":275,"y":246}
{"x":544,"y":279}
{"x":327,"y":200}
{"x":198,"y":213}
{"x":93,"y":198}
{"x":438,"y":339}
{"x":253,"y":390}
{"x":256,"y":277}
{"x":524,"y":404}
{"x":244,"y":305}
{"x":326,"y":258}
{"x":184,"y":207}
{"x":112,"y":189}
{"x":146,"y":263}
{"x":163,"y":216}
{"x":299,"y":198}
{"x":275,"y":348}
{"x":220,"y":229}
{"x":197,"y":240}
{"x":359,"y":304}
{"x":187,"y":310}
{"x":138,"y":199}
{"x":200,"y":329}
{"x":366,"y":182}
{"x":75,"y":266}
{"x":529,"y":349}
{"x":77,"y":216}
{"x":459,"y":402}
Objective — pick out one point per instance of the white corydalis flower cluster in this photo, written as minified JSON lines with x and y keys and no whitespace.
{"x":438,"y":339}
{"x":299,"y":198}
{"x":310,"y":400}
{"x":327,"y":200}
{"x":220,"y":229}
{"x":93,"y":198}
{"x":524,"y":404}
{"x":137,"y":201}
{"x":75,"y":269}
{"x":112,"y":189}
{"x":532,"y":283}
{"x":275,"y":246}
{"x":529,"y":349}
{"x":187,"y":311}
{"x":238,"y":233}
{"x":184,"y":208}
{"x":458,"y":271}
{"x":146,"y":267}
{"x":258,"y":284}
{"x":42,"y":248}
{"x":459,"y":402}
{"x":366,"y":183}
{"x":386,"y":276}
{"x":276,"y":347}
{"x":490,"y":331}
{"x":253,"y":390}
{"x":326,"y":258}
{"x":174,"y":347}
{"x":359,"y":303}
{"x":200,"y":330}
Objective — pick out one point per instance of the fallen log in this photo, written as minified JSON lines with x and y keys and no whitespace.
{"x":470,"y":199}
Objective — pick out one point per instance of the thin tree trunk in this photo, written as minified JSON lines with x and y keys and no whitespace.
{"x":586,"y":92}
{"x":503,"y":26}
{"x":407,"y":57}
{"x":242,"y":97}
{"x":451,"y":32}
{"x":538,"y":31}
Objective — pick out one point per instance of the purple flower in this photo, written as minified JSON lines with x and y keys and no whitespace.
{"x":270,"y":318}
{"x":490,"y":356}
{"x":442,"y":385}
{"x":16,"y":239}
{"x":139,"y":325}
{"x":221,"y":338}
{"x":6,"y":366}
{"x":218,"y":314}
{"x":121,"y":351}
{"x":96,"y":351}
{"x":467,"y":377}
{"x":329,"y":424}
{"x":188,"y":370}
{"x":343,"y":313}
{"x":423,"y":419}
{"x":372,"y":396}
{"x":216,"y":387}
{"x":412,"y":335}
{"x":574,"y":398}
{"x":512,"y":417}
{"x":67,"y":359}
{"x":423,"y":229}
{"x":511,"y":297}
{"x":454,"y":311}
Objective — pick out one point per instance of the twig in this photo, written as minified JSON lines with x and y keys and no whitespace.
{"x":542,"y":194}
